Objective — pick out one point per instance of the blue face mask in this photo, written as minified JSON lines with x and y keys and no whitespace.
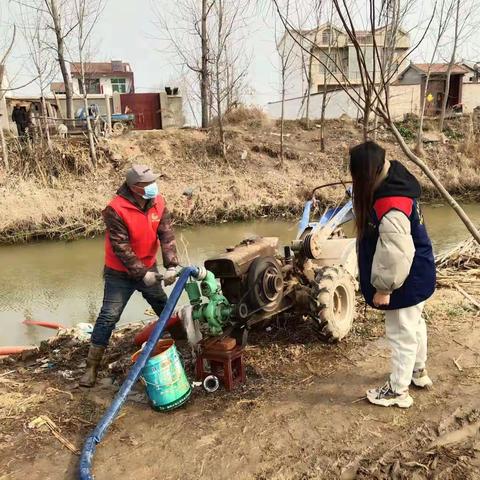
{"x":150,"y":191}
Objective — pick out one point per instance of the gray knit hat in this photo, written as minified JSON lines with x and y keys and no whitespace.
{"x":140,"y":174}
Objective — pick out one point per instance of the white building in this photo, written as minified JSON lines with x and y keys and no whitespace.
{"x":334,"y":58}
{"x":4,"y":116}
{"x":103,"y":78}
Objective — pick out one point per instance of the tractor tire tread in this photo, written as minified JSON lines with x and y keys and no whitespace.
{"x":327,"y":280}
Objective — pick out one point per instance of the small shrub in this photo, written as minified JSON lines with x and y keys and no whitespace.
{"x":406,"y":132}
{"x":249,"y":116}
{"x":453,"y":134}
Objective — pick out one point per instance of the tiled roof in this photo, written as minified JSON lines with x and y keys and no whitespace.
{"x":101,"y":68}
{"x":440,"y":68}
{"x":57,"y":87}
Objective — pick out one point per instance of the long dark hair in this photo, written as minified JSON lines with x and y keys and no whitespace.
{"x":366,"y":164}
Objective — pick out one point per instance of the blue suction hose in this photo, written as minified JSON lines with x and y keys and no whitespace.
{"x":99,"y":431}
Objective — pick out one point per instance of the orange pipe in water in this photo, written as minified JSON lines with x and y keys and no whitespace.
{"x":52,"y":325}
{"x":14,"y":350}
{"x":143,"y":335}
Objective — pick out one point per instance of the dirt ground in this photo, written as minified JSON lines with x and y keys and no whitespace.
{"x":301,"y":414}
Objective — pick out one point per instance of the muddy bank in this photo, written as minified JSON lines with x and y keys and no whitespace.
{"x":59,"y":195}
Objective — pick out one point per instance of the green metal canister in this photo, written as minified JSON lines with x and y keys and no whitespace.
{"x":166,"y":383}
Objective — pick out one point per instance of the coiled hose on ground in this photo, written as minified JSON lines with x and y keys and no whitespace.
{"x":99,"y":431}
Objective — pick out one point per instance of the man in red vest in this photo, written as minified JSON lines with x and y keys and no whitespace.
{"x":137,"y":223}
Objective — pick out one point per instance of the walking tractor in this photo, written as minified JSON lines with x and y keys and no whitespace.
{"x":248,"y":284}
{"x":315,"y":277}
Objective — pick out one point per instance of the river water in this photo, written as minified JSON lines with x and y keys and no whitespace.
{"x":62,"y":281}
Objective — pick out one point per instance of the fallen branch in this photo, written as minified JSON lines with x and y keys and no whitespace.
{"x":467,"y":295}
{"x":359,"y":400}
{"x":455,"y":361}
{"x":466,"y":346}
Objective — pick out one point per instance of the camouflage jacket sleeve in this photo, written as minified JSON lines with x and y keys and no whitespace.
{"x":166,"y":235}
{"x":120,"y":240}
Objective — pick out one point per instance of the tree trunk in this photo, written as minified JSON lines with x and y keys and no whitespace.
{"x":446,"y":93}
{"x":448,"y":198}
{"x":44,"y":121}
{"x":366,"y":115}
{"x":4,"y":150}
{"x":218,"y":59}
{"x":204,"y":69}
{"x":325,"y":91}
{"x":109,"y":116}
{"x":309,"y":86}
{"x":61,"y":56}
{"x":449,"y":71}
{"x":322,"y":118}
{"x":282,"y":122}
{"x":91,"y":139}
{"x":419,"y":145}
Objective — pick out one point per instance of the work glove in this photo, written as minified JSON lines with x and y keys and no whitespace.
{"x":150,"y":279}
{"x":170,"y":276}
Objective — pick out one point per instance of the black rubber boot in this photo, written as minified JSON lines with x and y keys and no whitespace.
{"x":95,"y":355}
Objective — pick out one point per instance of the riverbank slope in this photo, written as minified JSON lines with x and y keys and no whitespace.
{"x":60,"y":195}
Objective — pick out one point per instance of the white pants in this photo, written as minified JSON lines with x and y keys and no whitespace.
{"x":406,"y":332}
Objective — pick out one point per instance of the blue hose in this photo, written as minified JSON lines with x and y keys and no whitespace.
{"x":96,"y":436}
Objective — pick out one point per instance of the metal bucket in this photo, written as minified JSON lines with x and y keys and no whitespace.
{"x":164,"y":377}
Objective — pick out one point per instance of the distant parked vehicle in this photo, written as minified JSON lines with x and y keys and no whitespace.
{"x":122,"y":122}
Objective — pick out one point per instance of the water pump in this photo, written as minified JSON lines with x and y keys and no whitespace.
{"x":217,"y":311}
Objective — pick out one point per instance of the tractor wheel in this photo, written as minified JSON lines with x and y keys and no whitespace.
{"x":333,"y":303}
{"x":118,"y":128}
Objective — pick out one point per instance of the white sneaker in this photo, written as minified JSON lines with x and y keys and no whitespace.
{"x":386,"y":397}
{"x":421,"y":379}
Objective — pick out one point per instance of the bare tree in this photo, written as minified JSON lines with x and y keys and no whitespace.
{"x":285,"y":49}
{"x":186,"y":26}
{"x":373,"y":95}
{"x":206,"y":40}
{"x":444,"y":9}
{"x":219,"y":54}
{"x":35,"y":33}
{"x":3,"y":58}
{"x":333,"y":40}
{"x":465,"y":25}
{"x":87,"y":13}
{"x":204,"y":74}
{"x":228,"y":70}
{"x":305,"y":13}
{"x":451,"y":64}
{"x":62,"y":23}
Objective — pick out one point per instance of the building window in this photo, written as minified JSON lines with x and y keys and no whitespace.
{"x":92,"y":84}
{"x":328,"y":63}
{"x":119,"y":85}
{"x":326,"y":37}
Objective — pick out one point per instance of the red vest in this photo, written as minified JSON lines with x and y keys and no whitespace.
{"x":142,"y":230}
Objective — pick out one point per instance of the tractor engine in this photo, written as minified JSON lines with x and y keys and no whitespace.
{"x":252,"y":279}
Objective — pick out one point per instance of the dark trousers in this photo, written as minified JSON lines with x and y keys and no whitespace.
{"x":118,"y":290}
{"x":21,"y":129}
